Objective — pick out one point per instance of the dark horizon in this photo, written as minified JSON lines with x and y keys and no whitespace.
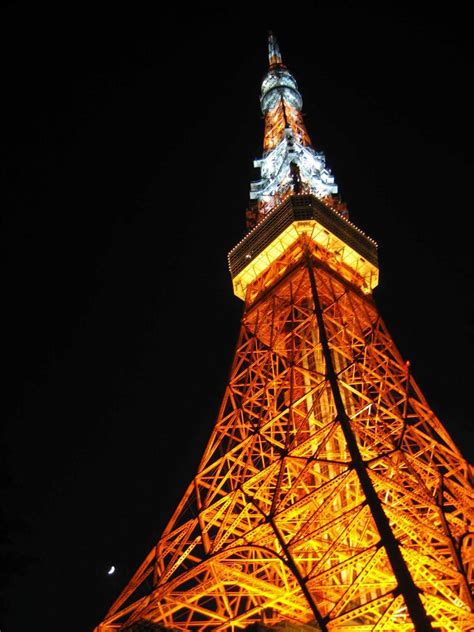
{"x":129,"y":139}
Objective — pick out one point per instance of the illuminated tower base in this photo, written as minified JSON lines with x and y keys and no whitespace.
{"x":329,"y":495}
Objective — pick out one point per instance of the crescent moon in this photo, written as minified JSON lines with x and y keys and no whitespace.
{"x":111,"y":570}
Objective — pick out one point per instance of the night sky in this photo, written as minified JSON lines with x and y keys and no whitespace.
{"x":128,"y":139}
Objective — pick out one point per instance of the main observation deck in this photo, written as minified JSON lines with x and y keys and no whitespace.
{"x":345,"y":245}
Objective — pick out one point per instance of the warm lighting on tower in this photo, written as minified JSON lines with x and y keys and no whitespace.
{"x":329,"y":496}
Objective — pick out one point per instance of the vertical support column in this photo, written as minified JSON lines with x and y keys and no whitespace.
{"x":406,"y":585}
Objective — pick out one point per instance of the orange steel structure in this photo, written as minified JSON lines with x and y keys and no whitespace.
{"x":329,"y":495}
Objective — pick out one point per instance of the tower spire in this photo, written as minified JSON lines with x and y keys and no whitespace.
{"x":274,"y":55}
{"x":287,"y":147}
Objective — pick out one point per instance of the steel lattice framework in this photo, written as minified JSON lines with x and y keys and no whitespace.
{"x":329,"y":494}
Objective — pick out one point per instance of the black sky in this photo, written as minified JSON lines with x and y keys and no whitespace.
{"x":128,"y":136}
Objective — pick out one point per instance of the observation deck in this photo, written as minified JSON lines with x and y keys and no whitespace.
{"x":344,"y":245}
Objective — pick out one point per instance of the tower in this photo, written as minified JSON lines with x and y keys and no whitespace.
{"x":329,"y":496}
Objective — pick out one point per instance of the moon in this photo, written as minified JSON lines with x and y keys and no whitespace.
{"x":111,"y":570}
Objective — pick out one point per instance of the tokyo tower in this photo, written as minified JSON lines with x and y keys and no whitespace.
{"x":329,"y":496}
